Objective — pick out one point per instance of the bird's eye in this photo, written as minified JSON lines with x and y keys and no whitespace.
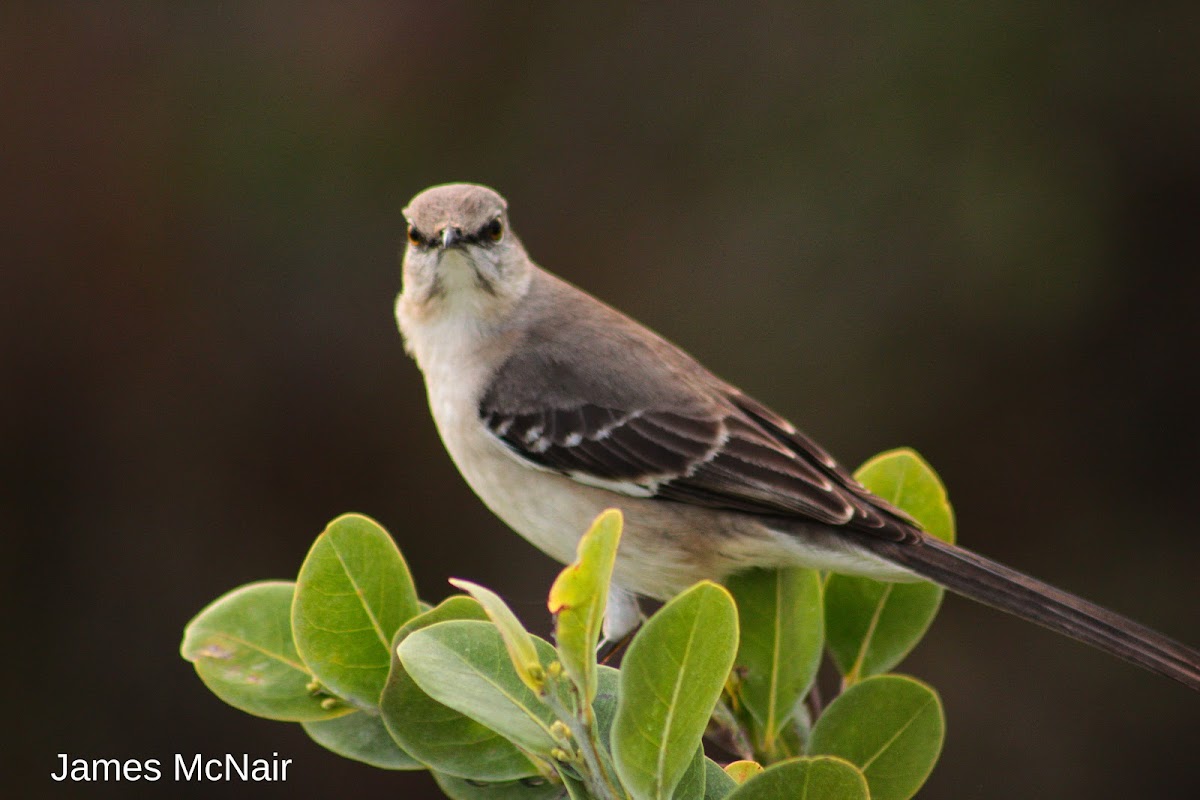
{"x":494,"y":230}
{"x":415,"y":238}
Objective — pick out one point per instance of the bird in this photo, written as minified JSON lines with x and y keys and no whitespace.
{"x":555,"y":406}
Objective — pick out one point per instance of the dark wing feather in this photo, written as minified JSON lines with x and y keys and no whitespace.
{"x":735,"y":458}
{"x":675,"y":433}
{"x":873,"y":514}
{"x":752,"y":472}
{"x":641,"y":447}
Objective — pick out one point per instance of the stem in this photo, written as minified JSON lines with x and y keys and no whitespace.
{"x":582,"y":726}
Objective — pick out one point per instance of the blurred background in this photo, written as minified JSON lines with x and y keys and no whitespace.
{"x":972,"y":229}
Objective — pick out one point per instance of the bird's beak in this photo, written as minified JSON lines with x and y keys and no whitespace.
{"x":451,"y":236}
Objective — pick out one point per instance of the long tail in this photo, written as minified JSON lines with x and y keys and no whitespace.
{"x":996,"y":585}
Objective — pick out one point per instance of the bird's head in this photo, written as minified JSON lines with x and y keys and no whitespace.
{"x":460,"y":250}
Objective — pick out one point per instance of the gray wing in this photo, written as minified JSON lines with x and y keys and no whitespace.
{"x":709,"y":445}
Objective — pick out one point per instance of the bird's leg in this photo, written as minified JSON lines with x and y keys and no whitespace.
{"x":608,"y":649}
{"x":622,"y":618}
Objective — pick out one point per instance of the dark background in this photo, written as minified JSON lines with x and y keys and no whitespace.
{"x":973,"y":230}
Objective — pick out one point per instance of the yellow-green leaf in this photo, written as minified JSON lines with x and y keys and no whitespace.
{"x":742,"y":771}
{"x":578,"y":599}
{"x":517,"y":640}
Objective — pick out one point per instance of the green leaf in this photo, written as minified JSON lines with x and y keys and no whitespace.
{"x":353,"y":593}
{"x":891,"y":727}
{"x":362,"y":737}
{"x":717,"y":783}
{"x":525,"y":789}
{"x":670,"y":680}
{"x":692,"y":784}
{"x":782,"y":622}
{"x":464,"y":665}
{"x":872,"y":625}
{"x":517,"y":640}
{"x":444,"y":739}
{"x":820,"y":778}
{"x":578,"y":599}
{"x":241,"y":646}
{"x":608,"y":692}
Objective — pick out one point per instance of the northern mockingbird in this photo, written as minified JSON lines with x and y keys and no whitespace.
{"x":555,"y":406}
